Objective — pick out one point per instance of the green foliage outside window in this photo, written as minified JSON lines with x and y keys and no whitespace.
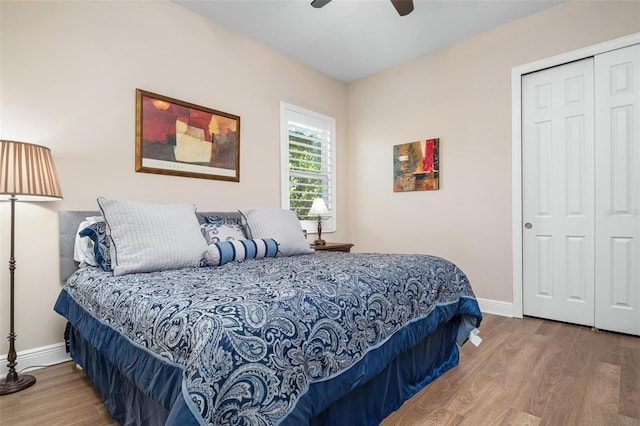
{"x":307,"y":177}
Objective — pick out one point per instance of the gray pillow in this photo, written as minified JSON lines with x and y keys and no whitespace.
{"x":217,"y":229}
{"x":281,"y":225}
{"x":152,"y":237}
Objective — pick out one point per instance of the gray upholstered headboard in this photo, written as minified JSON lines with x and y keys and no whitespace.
{"x":69,"y":221}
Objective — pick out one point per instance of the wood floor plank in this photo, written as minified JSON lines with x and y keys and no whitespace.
{"x":629,"y":382}
{"x":629,"y":341}
{"x":515,"y":359}
{"x":430,"y":400}
{"x":564,"y":402}
{"x":437,"y":417}
{"x":490,"y":408}
{"x":526,"y":372}
{"x":600,"y":407}
{"x":470,"y":394}
{"x":470,"y":361}
{"x":519,"y":418}
{"x":62,"y":396}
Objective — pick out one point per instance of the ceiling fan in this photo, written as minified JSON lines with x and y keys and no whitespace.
{"x":404,"y":7}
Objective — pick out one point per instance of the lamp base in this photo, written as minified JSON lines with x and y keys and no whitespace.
{"x":320,"y":242}
{"x":23,"y":382}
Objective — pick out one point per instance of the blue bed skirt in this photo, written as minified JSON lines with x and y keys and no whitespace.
{"x":139,"y":388}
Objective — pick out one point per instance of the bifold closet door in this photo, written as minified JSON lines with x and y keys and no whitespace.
{"x":558,"y":192}
{"x":617,"y":165}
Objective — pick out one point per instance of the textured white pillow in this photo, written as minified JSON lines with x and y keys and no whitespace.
{"x":281,"y":225}
{"x":83,"y":246}
{"x":152,"y":237}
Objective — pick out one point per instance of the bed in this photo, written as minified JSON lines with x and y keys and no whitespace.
{"x":319,"y":338}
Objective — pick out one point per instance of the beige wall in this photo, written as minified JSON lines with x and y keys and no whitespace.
{"x":68,"y":76}
{"x":69,"y":72}
{"x":461,"y":95}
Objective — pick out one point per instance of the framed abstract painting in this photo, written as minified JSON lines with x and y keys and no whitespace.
{"x":416,"y":166}
{"x":183,"y":139}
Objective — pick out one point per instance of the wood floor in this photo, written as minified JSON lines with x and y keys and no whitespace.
{"x":526,"y":372}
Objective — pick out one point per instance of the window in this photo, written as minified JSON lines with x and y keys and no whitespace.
{"x":307,"y":142}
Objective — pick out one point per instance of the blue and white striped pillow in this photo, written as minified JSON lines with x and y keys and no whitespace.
{"x":238,"y":250}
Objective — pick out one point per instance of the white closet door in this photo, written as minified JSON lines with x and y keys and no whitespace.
{"x":617,"y":281}
{"x":558,"y":193}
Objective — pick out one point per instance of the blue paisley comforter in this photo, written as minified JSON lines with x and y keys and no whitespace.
{"x":252,"y":336}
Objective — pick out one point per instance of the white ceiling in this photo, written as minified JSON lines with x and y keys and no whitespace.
{"x":351,"y":39}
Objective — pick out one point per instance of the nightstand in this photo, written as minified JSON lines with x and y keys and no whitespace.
{"x":345,"y":247}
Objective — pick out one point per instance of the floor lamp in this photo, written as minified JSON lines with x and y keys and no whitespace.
{"x":27,"y":173}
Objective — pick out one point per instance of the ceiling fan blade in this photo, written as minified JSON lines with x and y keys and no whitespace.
{"x":319,"y":3}
{"x":404,"y":7}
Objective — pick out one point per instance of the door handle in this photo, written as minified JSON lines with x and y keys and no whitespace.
{"x":528,"y":225}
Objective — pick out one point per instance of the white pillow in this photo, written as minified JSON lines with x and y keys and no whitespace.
{"x":281,"y":225}
{"x":152,"y":237}
{"x":83,"y":246}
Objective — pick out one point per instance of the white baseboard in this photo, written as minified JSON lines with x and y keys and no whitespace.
{"x":33,"y":359}
{"x":496,"y":307}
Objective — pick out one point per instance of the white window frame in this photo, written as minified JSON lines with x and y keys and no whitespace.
{"x":304,"y":118}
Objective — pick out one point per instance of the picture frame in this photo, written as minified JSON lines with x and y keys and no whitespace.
{"x":178,"y":138}
{"x":416,"y":166}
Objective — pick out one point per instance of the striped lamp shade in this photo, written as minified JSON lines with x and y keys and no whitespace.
{"x":27,"y":172}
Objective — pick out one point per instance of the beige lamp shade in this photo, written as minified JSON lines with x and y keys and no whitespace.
{"x":27,"y":172}
{"x":318,"y":208}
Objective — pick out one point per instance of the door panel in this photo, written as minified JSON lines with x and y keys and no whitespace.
{"x":558,"y":193}
{"x":617,"y":210}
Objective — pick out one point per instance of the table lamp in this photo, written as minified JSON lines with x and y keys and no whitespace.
{"x":318,"y":208}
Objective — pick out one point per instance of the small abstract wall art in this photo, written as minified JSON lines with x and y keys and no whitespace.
{"x":179,"y":138}
{"x":416,"y":166}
